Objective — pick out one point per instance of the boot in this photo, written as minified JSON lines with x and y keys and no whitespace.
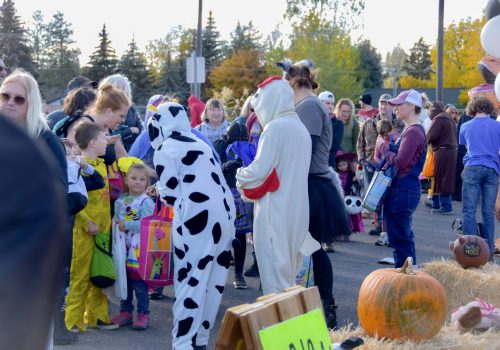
{"x":253,"y":271}
{"x":61,"y":334}
{"x":329,"y":308}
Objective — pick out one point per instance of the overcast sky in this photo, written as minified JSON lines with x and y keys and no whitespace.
{"x":386,"y":22}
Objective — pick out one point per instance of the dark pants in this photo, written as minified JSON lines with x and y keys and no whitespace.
{"x":401,"y":201}
{"x":442,"y":201}
{"x":141,"y":294}
{"x":240,"y":250}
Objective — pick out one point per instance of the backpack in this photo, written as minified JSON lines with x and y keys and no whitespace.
{"x":102,"y":269}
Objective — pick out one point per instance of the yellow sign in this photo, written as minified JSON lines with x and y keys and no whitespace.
{"x":304,"y":332}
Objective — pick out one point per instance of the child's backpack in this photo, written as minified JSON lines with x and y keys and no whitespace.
{"x":156,"y":260}
{"x":102,"y":269}
{"x":243,"y":221}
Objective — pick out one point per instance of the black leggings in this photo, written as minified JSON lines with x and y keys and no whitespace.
{"x":323,"y":274}
{"x":240,"y":250}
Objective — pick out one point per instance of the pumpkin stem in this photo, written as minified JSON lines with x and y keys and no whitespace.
{"x":407,"y":267}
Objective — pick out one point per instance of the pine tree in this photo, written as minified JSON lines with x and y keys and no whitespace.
{"x":133,"y":65}
{"x":245,"y":37}
{"x":16,"y":53}
{"x":211,"y":49}
{"x":36,"y":37}
{"x":419,"y":64}
{"x":370,"y":65}
{"x":103,"y":61}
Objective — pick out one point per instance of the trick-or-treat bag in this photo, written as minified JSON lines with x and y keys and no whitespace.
{"x":156,"y":260}
{"x":119,"y":250}
{"x":102,"y":269}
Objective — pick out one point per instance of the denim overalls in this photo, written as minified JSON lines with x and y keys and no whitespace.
{"x":401,"y":201}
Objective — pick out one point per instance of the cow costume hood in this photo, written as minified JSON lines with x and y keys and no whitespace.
{"x":170,"y":119}
{"x":273,"y":99}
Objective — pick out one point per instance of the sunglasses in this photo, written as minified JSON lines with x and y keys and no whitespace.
{"x":18,"y":100}
{"x":3,"y":69}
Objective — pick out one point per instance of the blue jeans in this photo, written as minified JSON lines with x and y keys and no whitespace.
{"x":442,"y":201}
{"x":401,"y":201}
{"x":141,"y":294}
{"x":479,"y":181}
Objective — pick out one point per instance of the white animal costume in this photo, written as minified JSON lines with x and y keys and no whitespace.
{"x":277,"y":181}
{"x":203,"y":226}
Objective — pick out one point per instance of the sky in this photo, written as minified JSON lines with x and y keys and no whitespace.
{"x":385,"y":23}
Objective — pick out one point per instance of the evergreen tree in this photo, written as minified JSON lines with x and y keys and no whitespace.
{"x":419,"y":64}
{"x":16,"y":53}
{"x":211,"y":49}
{"x":133,"y":64}
{"x":370,"y":65}
{"x":245,"y":37}
{"x":37,"y":38}
{"x":103,"y":61}
{"x":395,"y":60}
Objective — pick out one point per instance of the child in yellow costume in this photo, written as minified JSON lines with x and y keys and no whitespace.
{"x":95,"y":217}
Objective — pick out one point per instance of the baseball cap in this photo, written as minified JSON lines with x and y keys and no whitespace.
{"x":385,"y":97}
{"x":326,"y":96}
{"x":410,"y":96}
{"x":81,"y":81}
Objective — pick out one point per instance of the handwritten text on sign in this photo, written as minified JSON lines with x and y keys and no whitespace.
{"x":304,"y":332}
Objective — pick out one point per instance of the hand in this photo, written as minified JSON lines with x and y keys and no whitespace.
{"x":354,"y":179}
{"x":151,"y":191}
{"x":92,"y":228}
{"x":134,"y":130}
{"x":121,"y":225}
{"x":232,"y":165}
{"x":113,"y":138}
{"x":83,"y":163}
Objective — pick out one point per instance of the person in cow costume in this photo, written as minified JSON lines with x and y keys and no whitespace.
{"x":191,"y":180}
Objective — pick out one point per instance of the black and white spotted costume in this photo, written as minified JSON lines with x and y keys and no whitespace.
{"x":203,"y":226}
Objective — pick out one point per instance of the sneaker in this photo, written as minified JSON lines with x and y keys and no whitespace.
{"x":429,"y":203}
{"x":328,"y":247}
{"x":441,"y":211}
{"x":239,"y":281}
{"x":376,"y":231}
{"x":382,"y":240}
{"x":156,"y":293}
{"x":142,"y":322}
{"x":106,"y":326}
{"x":252,"y":271}
{"x":123,"y":318}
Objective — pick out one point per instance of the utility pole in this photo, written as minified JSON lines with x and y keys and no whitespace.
{"x":394,"y":73}
{"x":439,"y":86}
{"x":197,"y":86}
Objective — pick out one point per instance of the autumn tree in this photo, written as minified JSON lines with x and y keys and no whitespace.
{"x":418,"y":64}
{"x":103,"y":61}
{"x":242,"y":71}
{"x":13,"y":41}
{"x":331,"y":51}
{"x":370,"y":65}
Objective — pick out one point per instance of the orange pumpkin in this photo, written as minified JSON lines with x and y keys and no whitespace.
{"x":402,"y":304}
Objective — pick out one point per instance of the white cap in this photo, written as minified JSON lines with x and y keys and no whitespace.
{"x":326,"y":96}
{"x":410,"y":96}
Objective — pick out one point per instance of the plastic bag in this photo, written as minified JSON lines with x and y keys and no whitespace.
{"x":305,"y":277}
{"x":119,"y":249}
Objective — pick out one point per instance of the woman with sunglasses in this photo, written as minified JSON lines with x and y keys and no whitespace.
{"x":20,"y":102}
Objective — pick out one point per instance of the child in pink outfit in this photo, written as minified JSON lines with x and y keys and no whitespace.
{"x":384,"y":130}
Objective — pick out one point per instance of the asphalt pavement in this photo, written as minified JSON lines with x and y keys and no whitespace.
{"x":352,"y":262}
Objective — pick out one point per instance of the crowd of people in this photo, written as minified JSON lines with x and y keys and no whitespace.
{"x":278,"y":172}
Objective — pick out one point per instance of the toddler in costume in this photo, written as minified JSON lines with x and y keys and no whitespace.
{"x":130,"y":208}
{"x":83,"y":297}
{"x":350,"y":185}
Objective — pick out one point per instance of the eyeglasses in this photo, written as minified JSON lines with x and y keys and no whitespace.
{"x":6,"y":97}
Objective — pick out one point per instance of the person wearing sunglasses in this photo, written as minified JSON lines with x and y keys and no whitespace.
{"x":3,"y":70}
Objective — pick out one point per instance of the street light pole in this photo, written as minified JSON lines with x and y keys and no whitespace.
{"x":197,"y":86}
{"x":439,"y":86}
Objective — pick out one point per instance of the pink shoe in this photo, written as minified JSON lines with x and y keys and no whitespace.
{"x":141,"y":322}
{"x":123,"y":318}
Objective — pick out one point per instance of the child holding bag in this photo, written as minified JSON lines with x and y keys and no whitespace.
{"x":133,"y":205}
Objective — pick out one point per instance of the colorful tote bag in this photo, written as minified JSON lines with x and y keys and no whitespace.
{"x":115,"y":181}
{"x":156,"y":260}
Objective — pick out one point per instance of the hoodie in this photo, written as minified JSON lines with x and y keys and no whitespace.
{"x":196,"y":108}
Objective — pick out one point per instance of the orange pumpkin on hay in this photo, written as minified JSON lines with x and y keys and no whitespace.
{"x":402,"y":304}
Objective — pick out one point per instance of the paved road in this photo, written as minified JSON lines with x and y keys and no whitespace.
{"x":351,"y":262}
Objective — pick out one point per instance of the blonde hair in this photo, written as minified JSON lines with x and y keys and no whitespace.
{"x":212,"y":103}
{"x":150,"y":173}
{"x":109,"y":97}
{"x":35,"y":121}
{"x":346,"y":102}
{"x":120,"y":82}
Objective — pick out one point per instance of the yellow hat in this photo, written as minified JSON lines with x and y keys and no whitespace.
{"x":124,"y":163}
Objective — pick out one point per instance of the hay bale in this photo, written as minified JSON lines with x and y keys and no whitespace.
{"x":464,"y":285}
{"x":448,"y":338}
